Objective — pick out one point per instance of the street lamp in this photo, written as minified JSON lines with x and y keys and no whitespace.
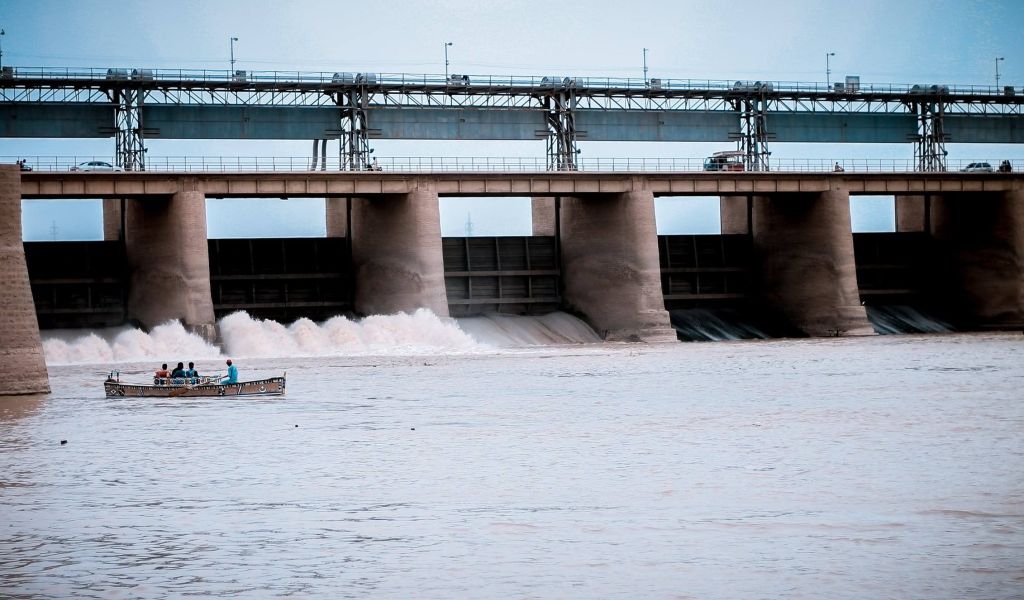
{"x":2,"y":32}
{"x":997,"y":68}
{"x":828,"y":69}
{"x":645,"y":66}
{"x":446,"y":44}
{"x":233,"y":40}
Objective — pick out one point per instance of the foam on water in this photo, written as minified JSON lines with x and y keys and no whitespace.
{"x":125,"y":345}
{"x":421,"y":332}
{"x":416,"y":333}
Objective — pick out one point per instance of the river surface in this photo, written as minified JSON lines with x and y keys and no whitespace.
{"x":871,"y":468}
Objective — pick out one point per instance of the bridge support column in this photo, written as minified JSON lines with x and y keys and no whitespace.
{"x":543,"y":208}
{"x":734,"y":214}
{"x":610,"y":266}
{"x":807,"y":273}
{"x":910,"y":214}
{"x":111,"y":219}
{"x":22,"y":367}
{"x":396,"y":253}
{"x":169,"y":259}
{"x":981,"y":237}
{"x":336,"y":210}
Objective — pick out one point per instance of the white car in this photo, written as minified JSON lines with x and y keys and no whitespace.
{"x":95,"y":165}
{"x":978,"y":167}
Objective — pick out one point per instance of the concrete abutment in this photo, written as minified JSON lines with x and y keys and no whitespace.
{"x":806,"y":271}
{"x":167,"y":253}
{"x":610,"y":265}
{"x":22,"y":366}
{"x":397,"y":254}
{"x":980,"y":239}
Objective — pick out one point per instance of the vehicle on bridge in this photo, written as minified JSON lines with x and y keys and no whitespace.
{"x":730,"y":160}
{"x":977,"y":167}
{"x":95,"y":165}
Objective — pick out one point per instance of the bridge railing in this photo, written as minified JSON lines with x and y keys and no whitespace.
{"x":242,"y":78}
{"x":485,"y":164}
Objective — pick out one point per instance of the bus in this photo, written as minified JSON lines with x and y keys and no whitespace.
{"x":730,"y":160}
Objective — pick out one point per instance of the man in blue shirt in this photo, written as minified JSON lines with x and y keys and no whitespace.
{"x":232,"y":374}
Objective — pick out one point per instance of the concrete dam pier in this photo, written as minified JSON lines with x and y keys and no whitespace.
{"x":786,"y":247}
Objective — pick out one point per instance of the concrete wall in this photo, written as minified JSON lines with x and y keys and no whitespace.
{"x":111,"y":219}
{"x":910,"y":213}
{"x":336,"y":214}
{"x":734,"y":214}
{"x":397,"y":254}
{"x":980,"y":237}
{"x":22,"y":368}
{"x":610,"y":265}
{"x":803,"y":244}
{"x":543,"y":208}
{"x":169,"y":261}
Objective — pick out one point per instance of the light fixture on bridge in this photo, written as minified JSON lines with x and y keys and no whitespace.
{"x":828,"y":69}
{"x":446,"y":45}
{"x":232,"y":42}
{"x":3,"y":33}
{"x":645,"y":68}
{"x":998,"y":59}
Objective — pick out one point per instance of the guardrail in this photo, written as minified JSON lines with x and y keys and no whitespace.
{"x":224,"y":76}
{"x":442,"y":164}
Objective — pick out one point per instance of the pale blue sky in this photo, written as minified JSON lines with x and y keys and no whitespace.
{"x":910,"y":41}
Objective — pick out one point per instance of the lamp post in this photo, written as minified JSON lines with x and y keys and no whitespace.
{"x":446,"y":45}
{"x":828,"y":69}
{"x":997,"y":69}
{"x":2,"y":33}
{"x":232,"y":41}
{"x":645,"y":67}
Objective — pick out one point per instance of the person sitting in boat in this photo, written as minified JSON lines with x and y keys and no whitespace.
{"x":232,"y":373}
{"x":161,"y":375}
{"x":191,"y":374}
{"x":178,"y":374}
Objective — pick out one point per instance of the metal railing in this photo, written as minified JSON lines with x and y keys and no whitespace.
{"x":11,"y":75}
{"x":444,"y":164}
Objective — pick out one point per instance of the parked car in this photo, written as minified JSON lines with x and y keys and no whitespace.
{"x":95,"y":165}
{"x":977,"y":167}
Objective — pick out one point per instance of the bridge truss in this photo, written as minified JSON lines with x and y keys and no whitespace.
{"x":566,"y":110}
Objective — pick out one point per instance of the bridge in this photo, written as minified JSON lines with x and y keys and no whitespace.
{"x":135,"y":105}
{"x":786,"y":248}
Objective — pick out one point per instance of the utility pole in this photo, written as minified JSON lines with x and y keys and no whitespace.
{"x":828,"y":69}
{"x":232,"y":41}
{"x":446,"y":45}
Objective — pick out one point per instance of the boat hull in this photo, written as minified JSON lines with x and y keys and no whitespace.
{"x":273,"y":386}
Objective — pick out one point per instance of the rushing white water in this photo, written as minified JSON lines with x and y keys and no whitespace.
{"x":700,"y":324}
{"x":897,"y":318}
{"x":506,"y":331}
{"x":421,"y":332}
{"x":124,"y":345}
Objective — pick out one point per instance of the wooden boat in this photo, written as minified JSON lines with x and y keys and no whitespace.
{"x":192,"y":387}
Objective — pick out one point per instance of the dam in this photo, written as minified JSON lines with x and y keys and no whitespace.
{"x":786,"y":248}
